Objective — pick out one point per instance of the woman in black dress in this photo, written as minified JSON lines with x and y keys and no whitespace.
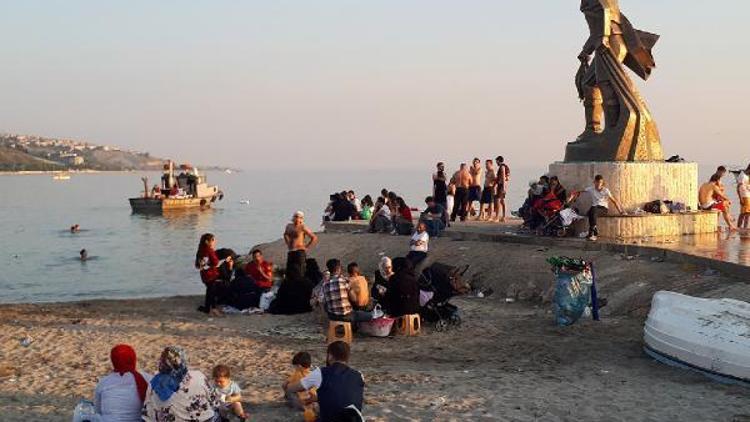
{"x":440,"y":186}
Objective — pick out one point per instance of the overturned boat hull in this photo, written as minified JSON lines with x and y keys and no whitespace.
{"x":711,"y":336}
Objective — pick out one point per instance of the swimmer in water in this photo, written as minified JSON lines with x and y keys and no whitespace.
{"x":75,"y":228}
{"x":84,"y":255}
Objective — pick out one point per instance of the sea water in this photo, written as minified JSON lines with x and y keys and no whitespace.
{"x":147,"y":256}
{"x":136,"y":255}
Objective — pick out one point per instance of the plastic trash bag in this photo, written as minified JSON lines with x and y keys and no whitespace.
{"x":85,"y":412}
{"x":266,"y":299}
{"x":573,"y":285}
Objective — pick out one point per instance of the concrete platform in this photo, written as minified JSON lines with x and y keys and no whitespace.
{"x":658,"y":225}
{"x":728,"y":253}
{"x":634,"y":184}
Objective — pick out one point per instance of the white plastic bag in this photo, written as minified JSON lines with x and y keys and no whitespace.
{"x":85,"y":412}
{"x":266,"y":299}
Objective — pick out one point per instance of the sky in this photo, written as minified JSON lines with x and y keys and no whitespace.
{"x":328,"y":84}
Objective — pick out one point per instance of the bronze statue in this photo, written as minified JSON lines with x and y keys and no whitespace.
{"x":629,"y":132}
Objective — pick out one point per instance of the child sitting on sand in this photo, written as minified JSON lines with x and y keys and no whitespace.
{"x":305,"y":400}
{"x":229,"y":393}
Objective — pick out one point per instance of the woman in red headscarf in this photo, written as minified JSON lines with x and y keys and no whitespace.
{"x":119,"y":396}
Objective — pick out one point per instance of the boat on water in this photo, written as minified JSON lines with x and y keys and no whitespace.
{"x":187,"y":191}
{"x":711,"y":336}
{"x":61,"y":175}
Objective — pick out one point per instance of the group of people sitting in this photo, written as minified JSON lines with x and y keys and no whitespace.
{"x":348,"y":297}
{"x":179,"y":393}
{"x":547,"y":199}
{"x":228,"y":283}
{"x":242,"y":286}
{"x":392,"y":215}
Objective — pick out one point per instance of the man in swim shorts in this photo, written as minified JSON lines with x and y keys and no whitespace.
{"x":296,"y":238}
{"x":711,"y":197}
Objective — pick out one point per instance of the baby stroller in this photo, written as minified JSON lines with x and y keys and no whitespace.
{"x":560,"y":224}
{"x":443,"y":282}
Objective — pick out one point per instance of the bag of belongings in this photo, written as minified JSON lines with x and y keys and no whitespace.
{"x":574,"y":282}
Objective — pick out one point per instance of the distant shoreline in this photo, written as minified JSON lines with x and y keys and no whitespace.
{"x":48,"y":172}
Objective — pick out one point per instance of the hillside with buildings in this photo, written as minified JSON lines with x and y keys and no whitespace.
{"x":35,"y":153}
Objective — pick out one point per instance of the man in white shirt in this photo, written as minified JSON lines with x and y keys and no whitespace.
{"x":419,"y":245}
{"x":743,"y":191}
{"x":600,"y":199}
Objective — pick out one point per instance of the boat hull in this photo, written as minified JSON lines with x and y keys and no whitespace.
{"x":157,"y":206}
{"x":709,"y":335}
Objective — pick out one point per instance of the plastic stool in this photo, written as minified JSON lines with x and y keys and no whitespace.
{"x":339,"y":331}
{"x":409,"y":325}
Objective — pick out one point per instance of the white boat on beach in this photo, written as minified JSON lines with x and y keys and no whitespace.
{"x":711,"y":336}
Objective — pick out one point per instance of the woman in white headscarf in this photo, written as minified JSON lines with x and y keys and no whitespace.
{"x":382,"y":279}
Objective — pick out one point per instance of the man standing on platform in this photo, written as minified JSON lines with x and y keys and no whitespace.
{"x":461,"y":180}
{"x":743,"y":191}
{"x":475,"y":190}
{"x":296,"y":238}
{"x":503,"y":178}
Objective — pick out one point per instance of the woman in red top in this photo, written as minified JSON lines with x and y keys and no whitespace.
{"x":208,"y":263}
{"x":260,"y":270}
{"x":404,"y":210}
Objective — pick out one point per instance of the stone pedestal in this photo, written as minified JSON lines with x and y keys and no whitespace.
{"x":634,"y":184}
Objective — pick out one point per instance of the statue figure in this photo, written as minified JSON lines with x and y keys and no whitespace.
{"x":619,"y":126}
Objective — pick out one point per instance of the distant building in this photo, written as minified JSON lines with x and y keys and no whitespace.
{"x":74,"y":160}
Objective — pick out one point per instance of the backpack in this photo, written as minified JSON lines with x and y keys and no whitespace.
{"x":507,"y":172}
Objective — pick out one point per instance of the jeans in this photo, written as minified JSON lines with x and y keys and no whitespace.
{"x":594,"y":213}
{"x":434,"y":227}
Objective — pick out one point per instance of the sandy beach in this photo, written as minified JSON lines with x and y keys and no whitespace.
{"x":507,"y":362}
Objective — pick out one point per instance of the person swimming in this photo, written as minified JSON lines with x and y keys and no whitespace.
{"x":75,"y":228}
{"x":84,"y":255}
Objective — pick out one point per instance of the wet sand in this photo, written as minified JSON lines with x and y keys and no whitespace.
{"x":506,"y":362}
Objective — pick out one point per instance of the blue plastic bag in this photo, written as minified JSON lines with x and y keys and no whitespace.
{"x":572,"y":295}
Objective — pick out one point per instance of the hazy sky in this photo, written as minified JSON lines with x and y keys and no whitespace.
{"x":334,"y":83}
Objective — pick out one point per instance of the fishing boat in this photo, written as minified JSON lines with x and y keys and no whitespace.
{"x":61,"y":175}
{"x":187,"y":191}
{"x":711,"y":336}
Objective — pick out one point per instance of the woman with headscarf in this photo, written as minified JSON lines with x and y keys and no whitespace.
{"x":382,"y":277}
{"x":119,"y":396}
{"x":402,"y":297}
{"x":177,"y":394}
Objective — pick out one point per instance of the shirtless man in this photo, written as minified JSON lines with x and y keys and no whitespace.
{"x":488,"y":194}
{"x":502,"y":179}
{"x":462,"y":180}
{"x":711,"y":197}
{"x":475,"y":190}
{"x":295,"y":236}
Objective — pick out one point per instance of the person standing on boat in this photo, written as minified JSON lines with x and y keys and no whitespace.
{"x":298,"y":238}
